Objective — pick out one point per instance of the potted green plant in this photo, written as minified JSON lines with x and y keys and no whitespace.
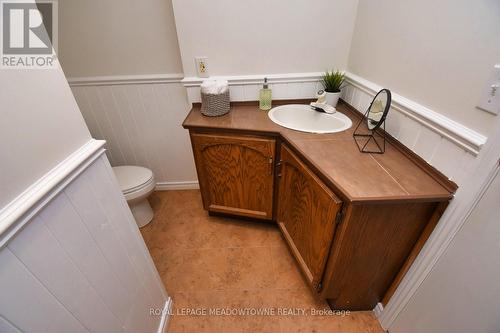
{"x":332,"y":83}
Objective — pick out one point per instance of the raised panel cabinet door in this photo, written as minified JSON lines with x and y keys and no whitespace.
{"x":307,"y":212}
{"x":236,"y":174}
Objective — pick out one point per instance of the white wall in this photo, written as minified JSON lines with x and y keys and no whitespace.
{"x":436,"y":56}
{"x":71,"y":255}
{"x":264,"y":37}
{"x":116,"y":55}
{"x":80,"y":265}
{"x":461,"y":293}
{"x":110,"y":37}
{"x":40,"y":127}
{"x":439,"y":54}
{"x":142,"y":123}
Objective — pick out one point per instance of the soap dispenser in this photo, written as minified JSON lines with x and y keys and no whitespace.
{"x":265,"y":96}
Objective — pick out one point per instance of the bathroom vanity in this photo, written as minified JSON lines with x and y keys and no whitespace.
{"x":353,"y":221}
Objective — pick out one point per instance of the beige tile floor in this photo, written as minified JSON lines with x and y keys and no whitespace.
{"x":209,"y":263}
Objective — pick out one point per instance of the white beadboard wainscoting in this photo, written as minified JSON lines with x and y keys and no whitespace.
{"x":72,"y":257}
{"x":451,"y":148}
{"x":246,"y":87}
{"x":439,"y":140}
{"x":140,"y":117}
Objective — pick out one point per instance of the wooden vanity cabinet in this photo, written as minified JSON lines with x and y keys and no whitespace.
{"x":236,"y":173}
{"x":349,"y":252}
{"x":307,"y":215}
{"x":371,"y":246}
{"x":354,"y":222}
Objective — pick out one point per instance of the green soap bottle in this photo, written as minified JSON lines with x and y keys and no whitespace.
{"x":265,"y":97}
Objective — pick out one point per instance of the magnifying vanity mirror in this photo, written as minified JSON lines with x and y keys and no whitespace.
{"x":367,"y":135}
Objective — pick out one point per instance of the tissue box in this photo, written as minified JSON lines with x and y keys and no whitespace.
{"x":214,"y":105}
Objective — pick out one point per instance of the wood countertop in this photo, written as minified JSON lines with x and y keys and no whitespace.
{"x":398,"y":174}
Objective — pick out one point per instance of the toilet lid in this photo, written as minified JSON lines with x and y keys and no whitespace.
{"x":130,"y":177}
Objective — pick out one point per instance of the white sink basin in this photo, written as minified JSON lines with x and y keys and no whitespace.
{"x":303,"y":118}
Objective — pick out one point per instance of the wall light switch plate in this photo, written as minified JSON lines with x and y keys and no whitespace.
{"x":201,"y":66}
{"x":490,"y":99}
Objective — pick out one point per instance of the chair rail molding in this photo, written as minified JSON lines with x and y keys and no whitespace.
{"x":195,"y":81}
{"x":21,"y":210}
{"x":305,"y":85}
{"x":442,"y":142}
{"x":124,"y":79}
{"x":74,"y":247}
{"x":302,"y":85}
{"x":452,"y":130}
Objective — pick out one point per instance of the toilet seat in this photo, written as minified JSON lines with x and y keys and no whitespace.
{"x":140,"y":191}
{"x":136,"y":184}
{"x":130,"y":177}
{"x":134,"y":181}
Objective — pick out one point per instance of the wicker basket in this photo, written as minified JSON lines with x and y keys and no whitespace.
{"x":214,"y":105}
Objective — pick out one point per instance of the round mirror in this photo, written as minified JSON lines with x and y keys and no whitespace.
{"x":378,"y":109}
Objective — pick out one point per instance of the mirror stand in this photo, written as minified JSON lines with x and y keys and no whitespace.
{"x":368,"y":142}
{"x":366,"y":136}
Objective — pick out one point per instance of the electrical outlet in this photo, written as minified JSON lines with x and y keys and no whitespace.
{"x":490,"y":99}
{"x":201,"y":66}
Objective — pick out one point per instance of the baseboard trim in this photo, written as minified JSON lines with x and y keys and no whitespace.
{"x":377,"y":310}
{"x":125,"y":79}
{"x":182,"y":185}
{"x":165,"y":316}
{"x":20,"y":210}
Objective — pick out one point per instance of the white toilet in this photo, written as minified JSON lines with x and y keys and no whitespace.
{"x":137,"y":183}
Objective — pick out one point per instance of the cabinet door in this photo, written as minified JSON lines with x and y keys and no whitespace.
{"x":307,"y":211}
{"x":236,"y":174}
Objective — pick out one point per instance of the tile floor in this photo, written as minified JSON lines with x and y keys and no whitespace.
{"x":220,"y":263}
